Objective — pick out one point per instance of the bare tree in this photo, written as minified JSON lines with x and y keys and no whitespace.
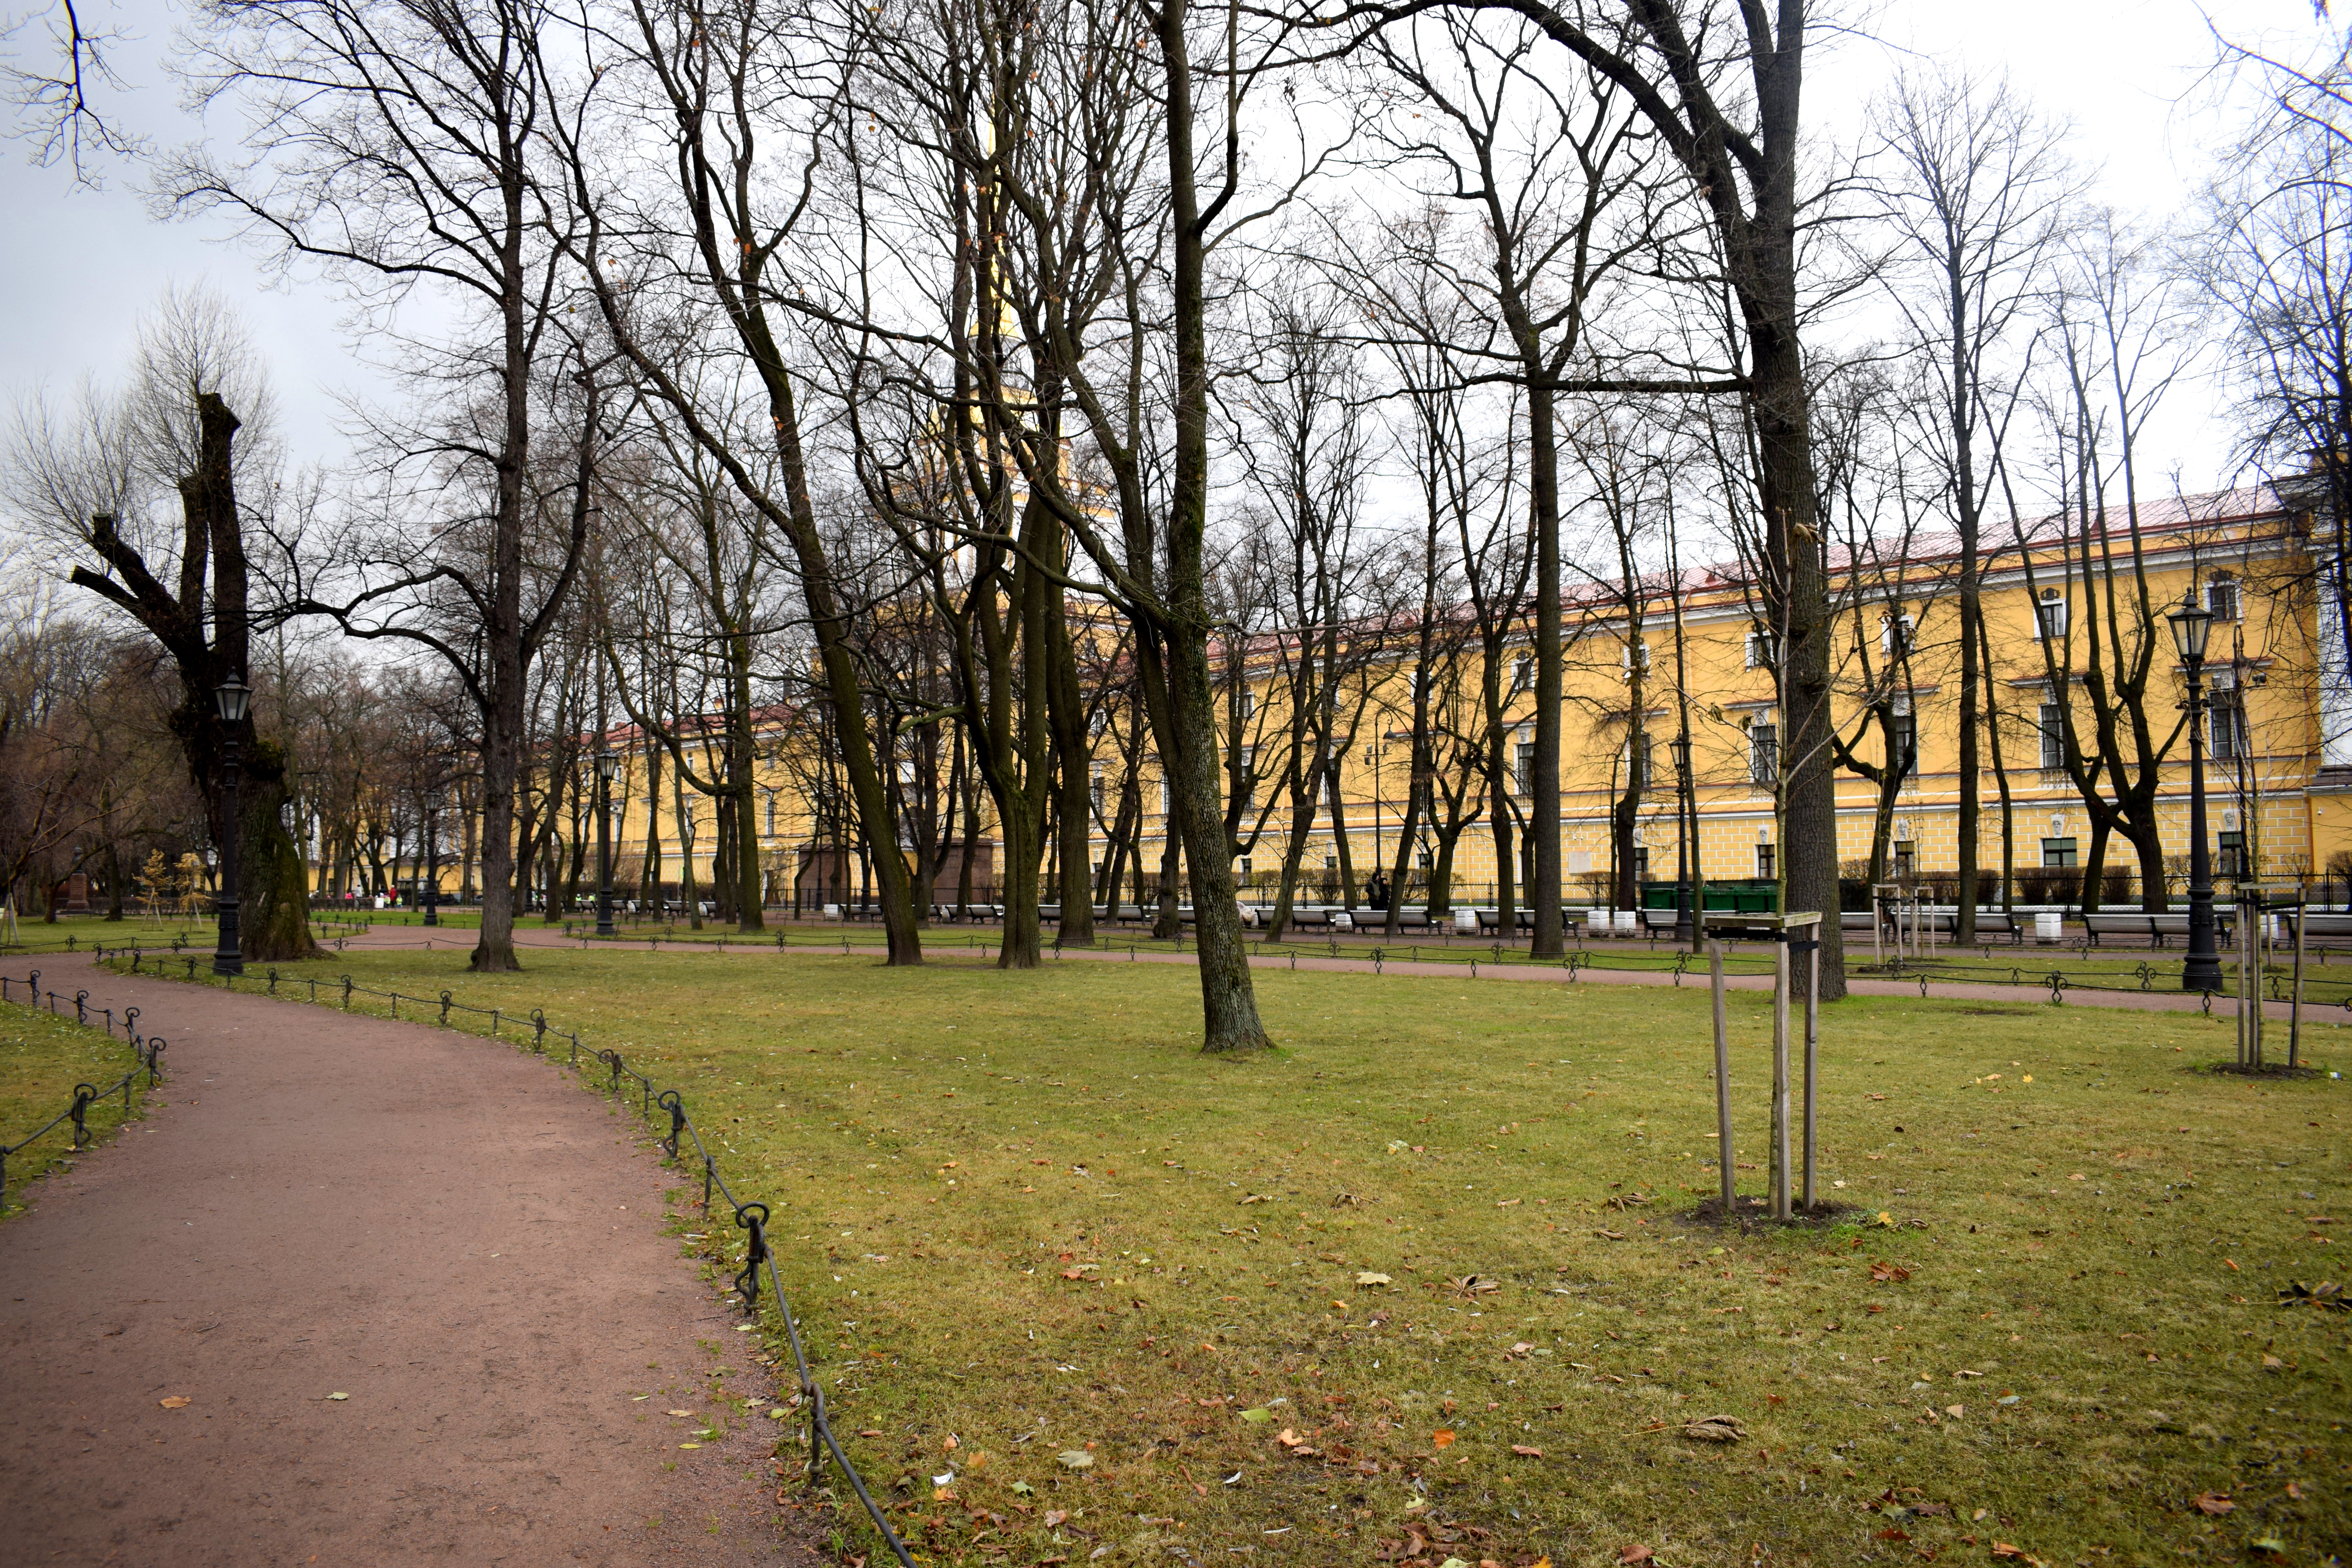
{"x":403,"y":145}
{"x":1974,"y":192}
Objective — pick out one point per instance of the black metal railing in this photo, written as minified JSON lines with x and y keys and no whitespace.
{"x":149,"y":1049}
{"x":622,"y":1082}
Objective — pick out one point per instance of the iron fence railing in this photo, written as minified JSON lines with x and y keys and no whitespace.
{"x":148,"y":1049}
{"x":622,"y":1082}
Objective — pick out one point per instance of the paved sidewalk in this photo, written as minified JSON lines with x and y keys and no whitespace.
{"x":408,"y":1282}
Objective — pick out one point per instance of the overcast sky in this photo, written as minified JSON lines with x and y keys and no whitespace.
{"x":77,"y":265}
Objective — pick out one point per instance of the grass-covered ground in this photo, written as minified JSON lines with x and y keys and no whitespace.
{"x":1422,"y":1283}
{"x":41,"y":1060}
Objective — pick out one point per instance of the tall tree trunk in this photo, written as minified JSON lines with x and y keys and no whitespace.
{"x":1228,"y":999}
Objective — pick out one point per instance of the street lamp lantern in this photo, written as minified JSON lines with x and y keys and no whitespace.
{"x":2201,"y":971}
{"x":608,"y":764}
{"x":2191,"y":624}
{"x":232,"y":698}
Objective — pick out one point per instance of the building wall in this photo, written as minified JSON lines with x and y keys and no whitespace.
{"x":2300,"y":806}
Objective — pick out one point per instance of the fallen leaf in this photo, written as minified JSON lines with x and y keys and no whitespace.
{"x":1022,"y":1488}
{"x":1260,"y":1414}
{"x":1440,"y":1438}
{"x":1889,"y":1273}
{"x":1713,"y":1429}
{"x":2215,"y":1503}
{"x":1893,"y":1533}
{"x":1077,"y":1458}
{"x":1636,"y":1553}
{"x":175,"y":1402}
{"x":339,"y":1397}
{"x":1054,"y":1516}
{"x":1523,"y":1451}
{"x":1368,"y":1278}
{"x":678,"y":1412}
{"x":1288,"y":1439}
{"x":1611,"y":1236}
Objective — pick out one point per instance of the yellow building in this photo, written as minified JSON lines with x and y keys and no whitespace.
{"x":2065,"y":606}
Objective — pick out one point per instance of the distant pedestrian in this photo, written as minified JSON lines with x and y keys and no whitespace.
{"x":1377,"y":894}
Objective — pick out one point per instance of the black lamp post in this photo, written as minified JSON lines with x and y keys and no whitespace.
{"x":231,"y":697}
{"x":1679,"y":749}
{"x":2202,"y":970}
{"x":608,"y":762}
{"x":433,"y":788}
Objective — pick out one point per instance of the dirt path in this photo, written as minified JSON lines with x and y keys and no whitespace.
{"x":1301,"y":958}
{"x":407,"y":1283}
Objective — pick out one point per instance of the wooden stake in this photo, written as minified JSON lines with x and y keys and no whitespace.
{"x":1722,"y":1080}
{"x":1781,"y":1077}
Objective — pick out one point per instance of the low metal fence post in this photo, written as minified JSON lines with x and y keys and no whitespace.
{"x":83,"y":1095}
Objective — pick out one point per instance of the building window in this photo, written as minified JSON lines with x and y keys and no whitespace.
{"x":1095,"y":788}
{"x":1249,"y":701}
{"x":1638,"y":756}
{"x":2228,"y":727}
{"x":2222,"y":597}
{"x":1763,"y":752}
{"x":1641,"y":863}
{"x":1895,"y":634}
{"x":1634,"y":657}
{"x":1330,"y":862}
{"x":772,"y":814}
{"x":1523,"y":773}
{"x":2230,"y":856}
{"x":2058,"y":852}
{"x":1243,"y":867}
{"x":2053,"y":737}
{"x":1423,"y":861}
{"x":1903,"y":745}
{"x":1765,"y":863}
{"x":1163,"y":799}
{"x":1523,"y":673}
{"x":1763,"y":649}
{"x":1907,"y":859}
{"x":2049,"y":613}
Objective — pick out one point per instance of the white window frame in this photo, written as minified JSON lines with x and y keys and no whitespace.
{"x":2050,"y":615}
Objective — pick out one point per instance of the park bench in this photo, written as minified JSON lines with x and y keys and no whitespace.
{"x":2318,"y":924}
{"x":2158,"y":929}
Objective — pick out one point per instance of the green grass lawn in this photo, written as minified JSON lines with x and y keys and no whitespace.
{"x":41,"y":1060}
{"x":1076,"y":1287}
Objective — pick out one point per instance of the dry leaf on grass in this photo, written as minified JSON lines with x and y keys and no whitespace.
{"x":1523,"y":1451}
{"x":1441,"y":1438}
{"x":1077,"y":1458}
{"x":1637,"y":1553}
{"x":1889,"y":1273}
{"x":175,"y":1402}
{"x":2215,"y":1503}
{"x":1368,"y":1278}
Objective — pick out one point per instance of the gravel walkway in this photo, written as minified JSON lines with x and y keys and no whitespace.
{"x":364,"y":1293}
